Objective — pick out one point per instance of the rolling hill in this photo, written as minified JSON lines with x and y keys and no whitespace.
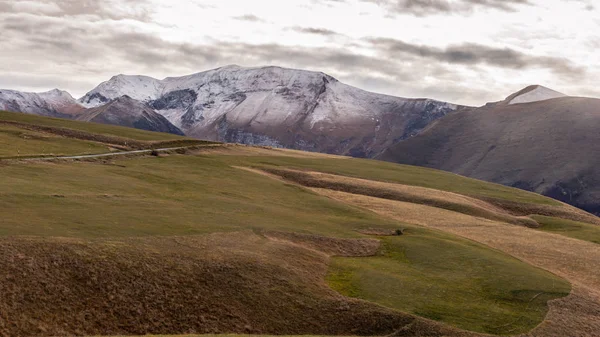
{"x":221,"y":238}
{"x":537,"y":139}
{"x":25,"y":136}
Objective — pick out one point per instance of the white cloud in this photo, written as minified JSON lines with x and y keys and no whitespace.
{"x":78,"y":42}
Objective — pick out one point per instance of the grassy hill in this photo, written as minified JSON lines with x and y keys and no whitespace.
{"x":93,"y":128}
{"x":23,"y":135}
{"x":235,"y":239}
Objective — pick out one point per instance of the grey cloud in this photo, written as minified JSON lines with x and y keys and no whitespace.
{"x":426,"y":7}
{"x":109,"y":9}
{"x":5,"y":6}
{"x":594,"y":43}
{"x":588,"y":5}
{"x":315,"y":31}
{"x":506,"y":5}
{"x":93,"y":50}
{"x":48,"y":36}
{"x":473,"y":54}
{"x":43,"y":82}
{"x":249,"y":17}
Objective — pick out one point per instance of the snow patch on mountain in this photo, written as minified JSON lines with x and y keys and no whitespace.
{"x":260,"y":95}
{"x":51,"y":103}
{"x":141,"y":88}
{"x":536,"y":94}
{"x":277,"y":106}
{"x":126,"y":111}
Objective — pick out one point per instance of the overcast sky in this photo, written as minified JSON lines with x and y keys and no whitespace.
{"x":462,"y":51}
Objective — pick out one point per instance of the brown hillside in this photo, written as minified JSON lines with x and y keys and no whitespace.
{"x":220,"y":283}
{"x":550,"y":147}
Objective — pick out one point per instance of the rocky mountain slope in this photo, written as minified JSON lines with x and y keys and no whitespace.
{"x":257,"y":106}
{"x":122,"y":110}
{"x":537,"y":139}
{"x":125,"y":111}
{"x":278,"y":107}
{"x":54,"y":103}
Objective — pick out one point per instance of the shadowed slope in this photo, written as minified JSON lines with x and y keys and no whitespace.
{"x":549,"y":147}
{"x":125,"y":111}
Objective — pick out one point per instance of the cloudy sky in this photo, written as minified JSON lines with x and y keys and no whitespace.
{"x":462,"y":51}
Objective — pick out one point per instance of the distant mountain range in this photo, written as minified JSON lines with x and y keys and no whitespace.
{"x":260,"y":106}
{"x":537,"y":139}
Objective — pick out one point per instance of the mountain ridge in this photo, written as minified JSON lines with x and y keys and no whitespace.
{"x":274,"y":106}
{"x":543,"y":146}
{"x":53,"y":103}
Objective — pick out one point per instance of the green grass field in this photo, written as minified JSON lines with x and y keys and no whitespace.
{"x":95,"y":128}
{"x":574,"y":229}
{"x":445,"y":278}
{"x":176,"y":195}
{"x":434,"y":275}
{"x":424,"y":272}
{"x":15,"y":142}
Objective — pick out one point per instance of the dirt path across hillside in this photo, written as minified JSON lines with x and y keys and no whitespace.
{"x":108,"y":154}
{"x":577,"y":261}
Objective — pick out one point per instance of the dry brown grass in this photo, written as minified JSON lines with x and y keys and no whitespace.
{"x":414,"y":194}
{"x":218,"y":283}
{"x":328,"y":245}
{"x":564,"y":211}
{"x":489,"y":208}
{"x":246,"y":150}
{"x":575,"y":260}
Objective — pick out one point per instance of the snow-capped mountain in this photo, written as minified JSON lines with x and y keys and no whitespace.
{"x":141,"y":88}
{"x":260,"y":106}
{"x":54,"y":103}
{"x":278,"y":107}
{"x":533,"y":93}
{"x":122,"y":111}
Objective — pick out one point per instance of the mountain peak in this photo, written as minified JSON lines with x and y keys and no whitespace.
{"x":138,"y":87}
{"x":533,"y":93}
{"x":57,"y":93}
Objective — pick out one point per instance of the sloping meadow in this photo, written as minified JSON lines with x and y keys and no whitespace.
{"x":129,"y":246}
